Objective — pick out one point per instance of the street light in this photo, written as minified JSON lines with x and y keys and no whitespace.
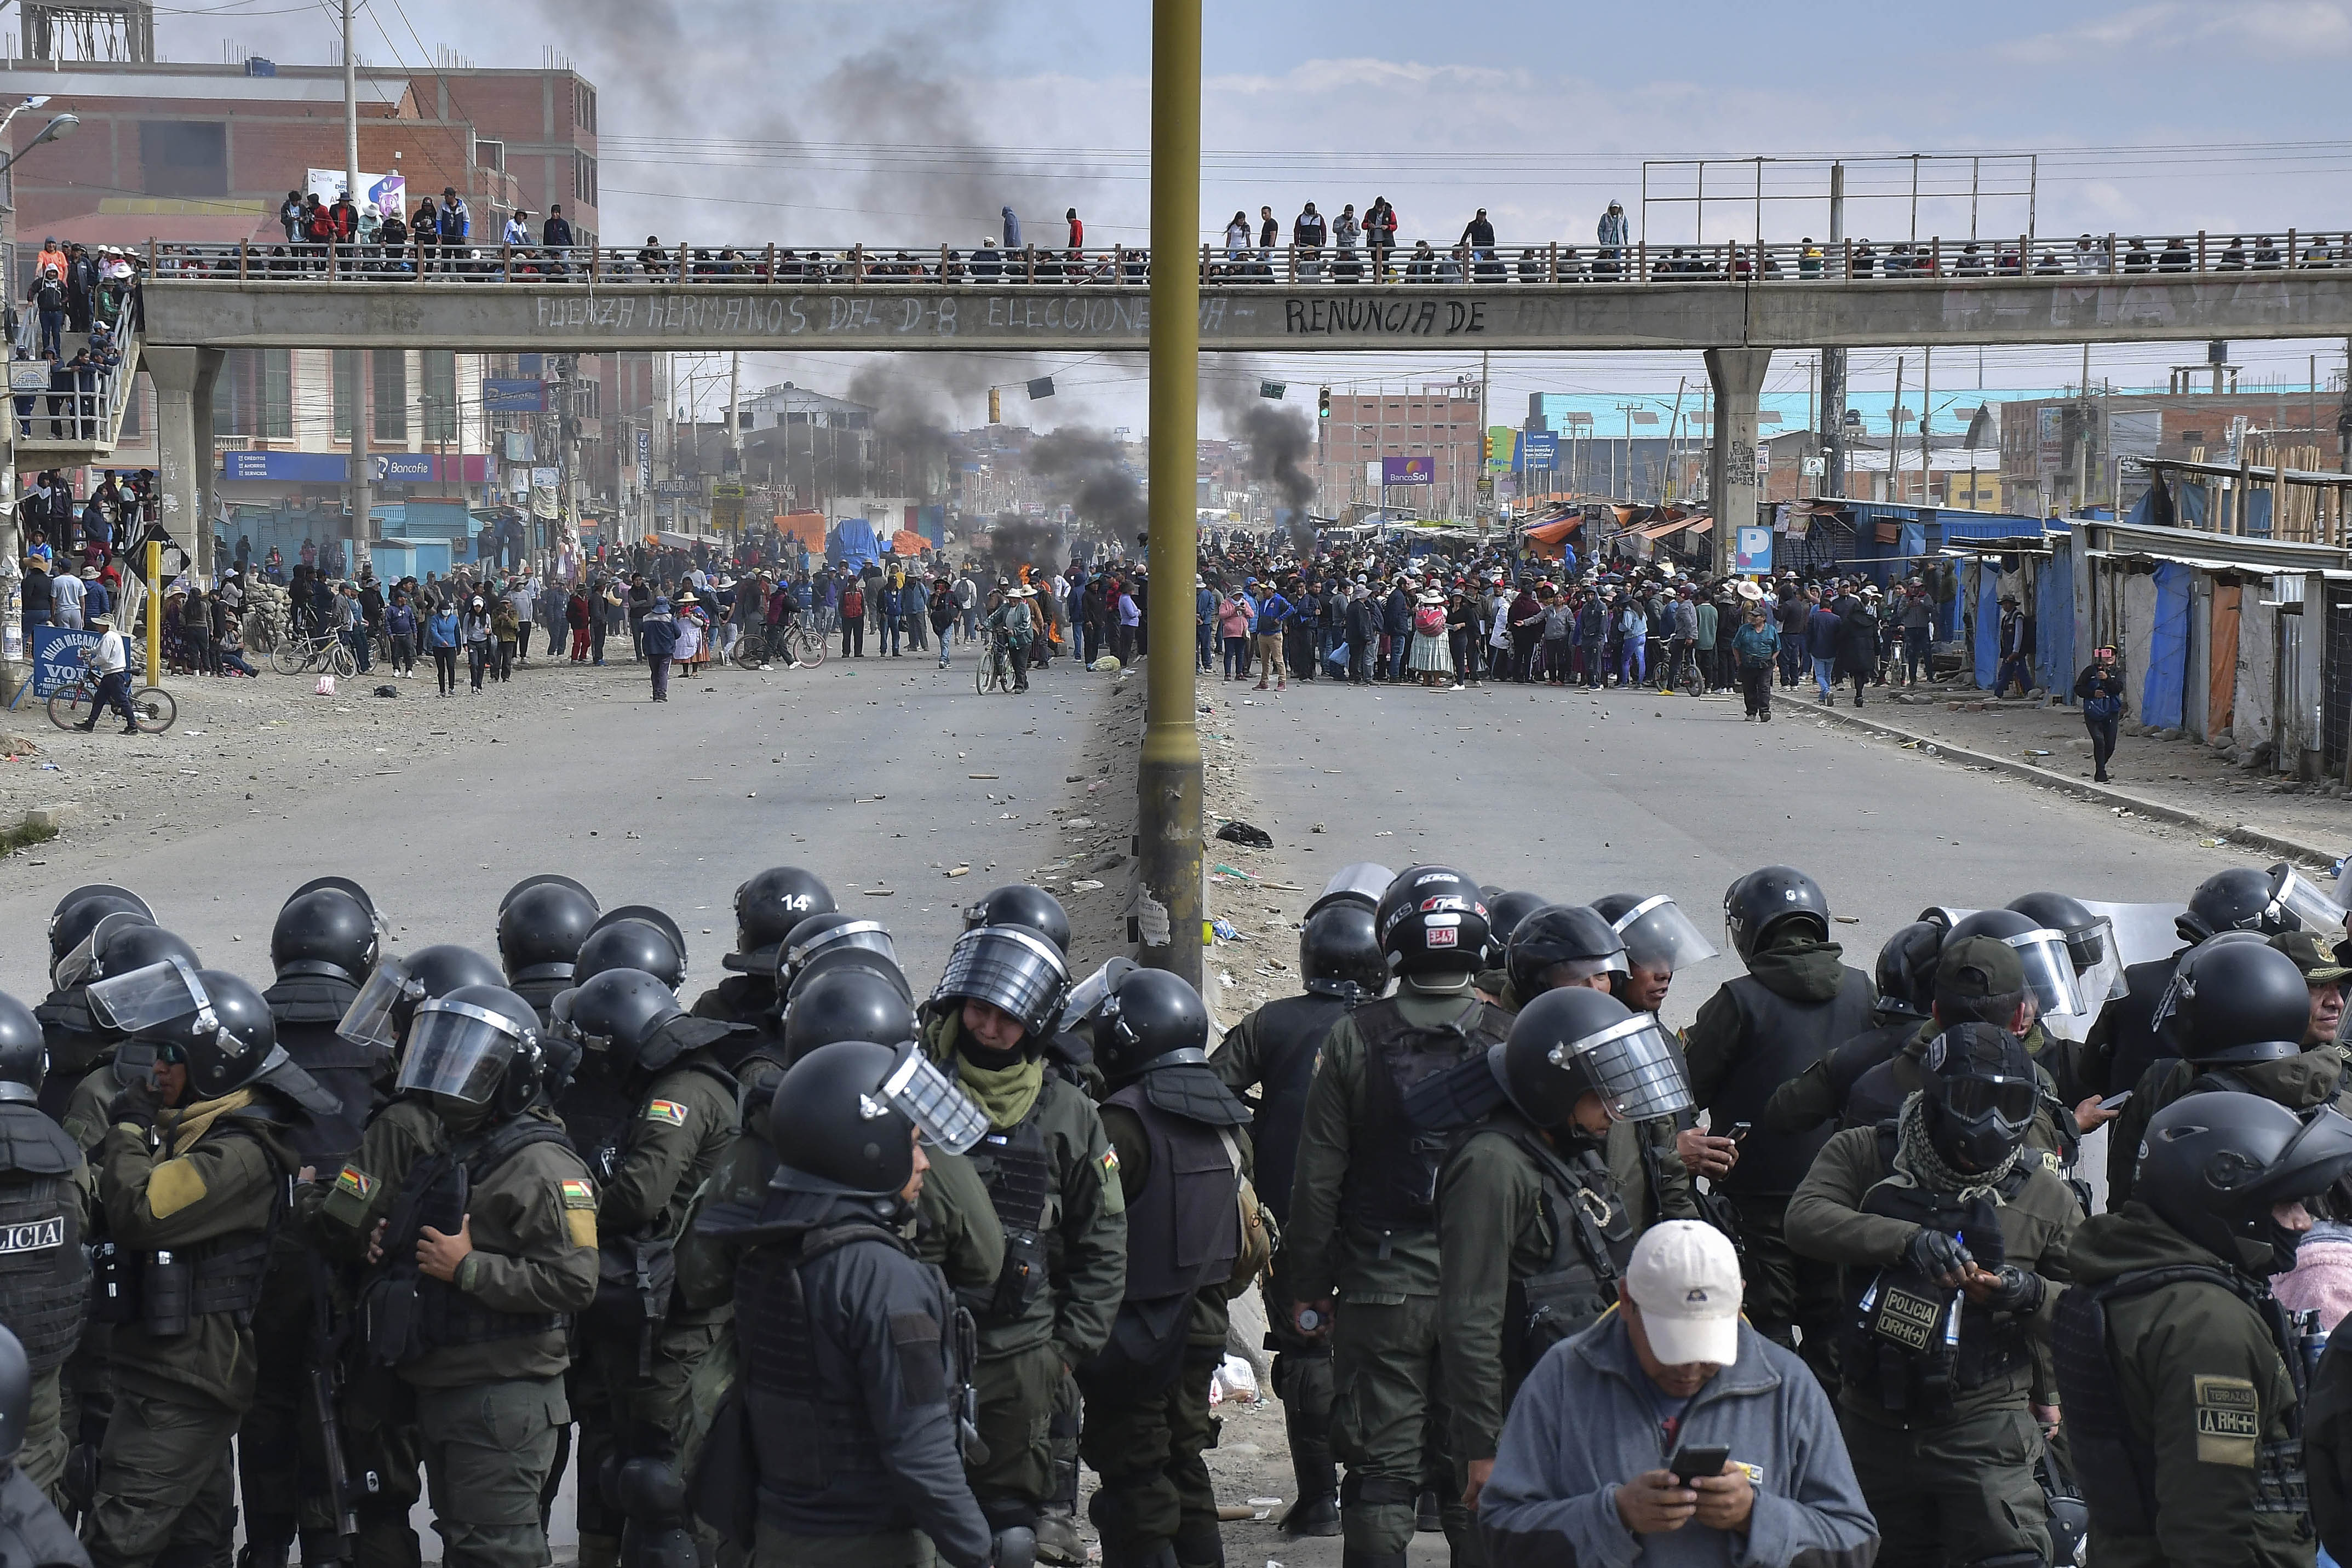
{"x":57,"y":130}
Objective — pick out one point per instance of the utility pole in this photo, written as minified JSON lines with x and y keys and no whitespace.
{"x":735,"y":434}
{"x":1926,"y":415}
{"x":362,"y":490}
{"x":1832,"y":427}
{"x":1895,"y":439}
{"x":1170,"y":912}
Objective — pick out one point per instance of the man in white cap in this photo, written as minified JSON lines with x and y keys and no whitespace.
{"x":1751,"y":1448}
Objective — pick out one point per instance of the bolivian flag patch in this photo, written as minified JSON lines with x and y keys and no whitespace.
{"x":669,"y":1111}
{"x":356,"y":1182}
{"x":1110,"y":1161}
{"x":579,"y":1195}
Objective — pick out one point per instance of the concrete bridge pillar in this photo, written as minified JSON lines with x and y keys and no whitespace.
{"x":183,"y":381}
{"x":1738,"y":377}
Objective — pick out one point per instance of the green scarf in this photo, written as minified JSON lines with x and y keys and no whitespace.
{"x":1006,"y":1093}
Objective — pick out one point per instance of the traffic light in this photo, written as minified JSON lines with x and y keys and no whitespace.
{"x":1487,"y":445}
{"x":1323,"y":403}
{"x":995,"y":409}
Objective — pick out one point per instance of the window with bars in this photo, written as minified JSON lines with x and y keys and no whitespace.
{"x":389,"y":390}
{"x":255,"y":395}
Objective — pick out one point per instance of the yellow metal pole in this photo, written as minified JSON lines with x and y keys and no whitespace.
{"x":1171,"y":917}
{"x":154,"y":612}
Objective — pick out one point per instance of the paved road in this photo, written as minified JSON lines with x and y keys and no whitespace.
{"x":857,"y":771}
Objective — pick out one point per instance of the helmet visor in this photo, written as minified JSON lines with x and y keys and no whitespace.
{"x":83,"y":964}
{"x":1011,"y":968}
{"x":1633,"y":1065}
{"x":368,"y":1021}
{"x":2312,"y":909}
{"x":2313,"y":1160}
{"x":870,"y":935}
{"x":941,"y":1113}
{"x":1365,"y":880}
{"x":148,"y":997}
{"x":2049,"y":971}
{"x":1658,"y":934}
{"x":458,"y":1049}
{"x":1089,"y":995}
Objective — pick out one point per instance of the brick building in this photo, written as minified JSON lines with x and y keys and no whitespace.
{"x":1444,"y":421}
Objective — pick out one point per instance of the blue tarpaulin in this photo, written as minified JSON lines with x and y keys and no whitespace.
{"x":1988,"y":639}
{"x":853,"y":543}
{"x":2053,"y":655}
{"x":2168,"y":649}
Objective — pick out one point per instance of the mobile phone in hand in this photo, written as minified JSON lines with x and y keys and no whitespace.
{"x":1691,"y":1461}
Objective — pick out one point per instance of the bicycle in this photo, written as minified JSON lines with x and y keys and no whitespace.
{"x":798,"y":644}
{"x":992,"y":670}
{"x":255,"y":634}
{"x":325,"y":651}
{"x":152,"y":707}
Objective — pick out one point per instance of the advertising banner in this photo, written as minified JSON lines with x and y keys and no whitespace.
{"x":513,"y":394}
{"x":1408,"y":471}
{"x":57,"y":653}
{"x":1753,"y":557}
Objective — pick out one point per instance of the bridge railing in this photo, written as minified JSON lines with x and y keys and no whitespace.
{"x":1547,"y":263}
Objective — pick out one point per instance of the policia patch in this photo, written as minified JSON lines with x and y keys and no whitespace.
{"x":2229,"y":1421}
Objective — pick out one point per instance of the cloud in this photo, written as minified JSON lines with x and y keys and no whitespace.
{"x":2260,"y":28}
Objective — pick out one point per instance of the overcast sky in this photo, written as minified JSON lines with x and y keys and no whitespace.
{"x":832,"y":121}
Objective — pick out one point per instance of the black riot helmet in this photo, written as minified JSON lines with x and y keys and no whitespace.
{"x":2235,"y":998}
{"x":630,"y":944}
{"x":1152,"y":1019}
{"x":1906,"y":971}
{"x":541,"y":928}
{"x":831,"y":932}
{"x":2042,"y":953}
{"x":70,"y":933}
{"x":1559,"y":945}
{"x":1012,"y":970}
{"x":325,"y":931}
{"x":379,"y":1015}
{"x":1569,"y":1042}
{"x":360,"y":896}
{"x":1504,"y":913}
{"x":1978,"y":1087}
{"x":2086,"y":934}
{"x":117,"y":944}
{"x":1658,"y":934}
{"x":215,"y":1023}
{"x":634,"y":1021}
{"x":2212,"y":1166}
{"x":69,"y":922}
{"x":845,"y":957}
{"x":542,"y":878}
{"x":1018,"y":904}
{"x":1432,"y":921}
{"x":767,"y":908}
{"x":15,"y":1397}
{"x":477,"y":1046}
{"x":1768,"y":899}
{"x":846,"y":1004}
{"x":844,"y":1118}
{"x":24,"y":1054}
{"x":1340,"y":952}
{"x":2238,"y":899}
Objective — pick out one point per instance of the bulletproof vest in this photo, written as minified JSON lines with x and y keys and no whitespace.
{"x":166,"y":1290}
{"x":738,"y":998}
{"x":542,"y":994}
{"x":2114,"y":1461}
{"x":812,"y":1432}
{"x":1780,"y":1038}
{"x":594,"y":1108}
{"x":1183,"y":1230}
{"x":1018,"y":1171}
{"x":33,"y":1533}
{"x":1905,"y":1347}
{"x":1861,"y":1061}
{"x":1592,"y":1239}
{"x":76,"y":1044}
{"x":1289,"y":1037}
{"x":1391,"y":1179}
{"x":308,"y":1007}
{"x":2133,"y":1043}
{"x":1878,"y":1095}
{"x":407,"y":1311}
{"x":43,"y":1279}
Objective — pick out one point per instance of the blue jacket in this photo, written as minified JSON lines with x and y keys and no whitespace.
{"x":1585,"y":1422}
{"x":660,"y":634}
{"x":1272,"y":612}
{"x":441,"y":632}
{"x":1822,"y":634}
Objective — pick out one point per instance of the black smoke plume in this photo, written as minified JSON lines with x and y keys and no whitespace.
{"x":1087,"y":469}
{"x":1281,"y":442}
{"x":1015,"y":541}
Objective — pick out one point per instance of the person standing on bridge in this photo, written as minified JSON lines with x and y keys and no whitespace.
{"x":1012,"y":228}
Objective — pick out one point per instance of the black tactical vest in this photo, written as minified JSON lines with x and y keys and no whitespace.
{"x":43,"y":1279}
{"x":1592,"y":1239}
{"x":2115,"y":1462}
{"x":541,"y":993}
{"x":33,"y":1533}
{"x":1780,"y":1038}
{"x":1391,"y":1180}
{"x":1903,"y":1350}
{"x":308,"y":1007}
{"x":811,"y":1433}
{"x":1289,"y":1037}
{"x":1017,"y":1168}
{"x":407,"y":1311}
{"x":76,"y":1045}
{"x":1183,"y":1229}
{"x":2134,"y":1044}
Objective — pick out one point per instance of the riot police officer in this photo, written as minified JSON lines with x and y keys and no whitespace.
{"x":45,"y":1204}
{"x":1660,"y":942}
{"x":192,"y":1171}
{"x":1953,"y":1247}
{"x":1362,"y":1217}
{"x":1907,"y":998}
{"x":75,"y":1040}
{"x":543,"y":921}
{"x":1796,"y":1004}
{"x":117,"y":945}
{"x":634,"y":937}
{"x":1559,"y":945}
{"x":2237,"y":1011}
{"x":1051,"y":1178}
{"x":323,"y":946}
{"x":33,"y":1533}
{"x":1273,"y":1050}
{"x":488,"y":1251}
{"x":2182,"y":1379}
{"x":1182,"y":1161}
{"x":639,"y":1344}
{"x":1533,"y":1230}
{"x":853,"y":1362}
{"x":768,"y":907}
